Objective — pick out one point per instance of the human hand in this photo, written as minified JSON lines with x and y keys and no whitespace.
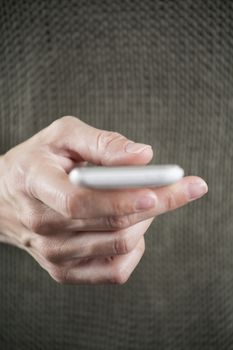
{"x":81,"y":235}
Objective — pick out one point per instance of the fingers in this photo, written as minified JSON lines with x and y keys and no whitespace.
{"x":52,"y":187}
{"x":67,"y":246}
{"x":73,"y":139}
{"x":87,"y":209}
{"x":167,"y":198}
{"x":106,"y":223}
{"x":45,"y":221}
{"x":113,"y":270}
{"x":97,"y":146}
{"x":179,"y":194}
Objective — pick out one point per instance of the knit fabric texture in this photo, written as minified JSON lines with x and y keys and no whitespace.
{"x":159,"y":72}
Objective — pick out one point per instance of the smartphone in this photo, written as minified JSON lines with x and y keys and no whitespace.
{"x":112,"y":177}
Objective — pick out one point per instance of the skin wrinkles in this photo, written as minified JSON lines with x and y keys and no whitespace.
{"x":80,"y":235}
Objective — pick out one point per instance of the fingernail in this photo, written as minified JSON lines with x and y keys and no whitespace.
{"x":145,"y":202}
{"x":133,"y":147}
{"x":197,"y":189}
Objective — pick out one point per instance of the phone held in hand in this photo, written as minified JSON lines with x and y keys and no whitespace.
{"x":133,"y":176}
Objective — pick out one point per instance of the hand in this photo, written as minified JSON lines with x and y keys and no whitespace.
{"x":81,"y":235}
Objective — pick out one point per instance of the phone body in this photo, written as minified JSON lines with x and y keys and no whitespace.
{"x":133,"y":176}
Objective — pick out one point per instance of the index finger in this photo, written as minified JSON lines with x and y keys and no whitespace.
{"x":52,"y":187}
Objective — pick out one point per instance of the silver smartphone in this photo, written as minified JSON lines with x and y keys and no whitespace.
{"x":112,"y":177}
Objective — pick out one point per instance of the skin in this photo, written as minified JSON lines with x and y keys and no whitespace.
{"x":80,"y":235}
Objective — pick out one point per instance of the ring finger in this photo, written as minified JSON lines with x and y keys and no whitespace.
{"x":63,"y":247}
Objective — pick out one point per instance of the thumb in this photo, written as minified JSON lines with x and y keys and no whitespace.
{"x":97,"y":146}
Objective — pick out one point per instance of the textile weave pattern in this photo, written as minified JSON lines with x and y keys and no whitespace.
{"x":159,"y":72}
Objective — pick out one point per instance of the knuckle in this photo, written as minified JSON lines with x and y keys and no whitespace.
{"x":119,"y":276}
{"x":63,"y":121}
{"x":122,"y":245}
{"x":59,"y":125}
{"x":116,"y":222}
{"x":59,"y":274}
{"x":170,"y":200}
{"x":120,"y":208}
{"x":17,"y":178}
{"x":105,"y":138}
{"x":67,"y":119}
{"x":70,"y":205}
{"x":33,"y":222}
{"x":47,"y":249}
{"x":35,"y":217}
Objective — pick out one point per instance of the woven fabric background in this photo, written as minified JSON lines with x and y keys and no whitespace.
{"x":160,"y":72}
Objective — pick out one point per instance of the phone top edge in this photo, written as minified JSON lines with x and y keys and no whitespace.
{"x":126,"y":176}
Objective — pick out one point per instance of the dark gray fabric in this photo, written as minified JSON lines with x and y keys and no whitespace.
{"x":159,"y":72}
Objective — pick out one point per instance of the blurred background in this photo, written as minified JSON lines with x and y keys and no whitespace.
{"x":160,"y":72}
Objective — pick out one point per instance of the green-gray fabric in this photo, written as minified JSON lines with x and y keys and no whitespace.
{"x":160,"y":72}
